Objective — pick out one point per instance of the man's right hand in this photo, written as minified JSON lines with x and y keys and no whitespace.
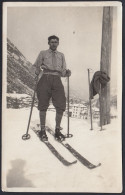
{"x":36,"y":78}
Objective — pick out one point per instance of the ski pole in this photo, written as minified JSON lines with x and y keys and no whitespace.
{"x":27,"y":136}
{"x":100,"y":107}
{"x":90,"y":100}
{"x":68,"y":135}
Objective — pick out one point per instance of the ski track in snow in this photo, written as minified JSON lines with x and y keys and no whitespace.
{"x":30,"y":166}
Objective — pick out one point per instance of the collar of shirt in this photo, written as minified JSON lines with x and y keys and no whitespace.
{"x":52,"y":51}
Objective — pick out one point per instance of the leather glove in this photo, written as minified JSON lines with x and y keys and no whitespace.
{"x":68,"y":73}
{"x":36,"y":78}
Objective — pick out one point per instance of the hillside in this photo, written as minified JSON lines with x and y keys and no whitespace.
{"x":20,"y":73}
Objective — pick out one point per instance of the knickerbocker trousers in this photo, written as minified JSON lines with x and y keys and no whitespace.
{"x":51,"y":86}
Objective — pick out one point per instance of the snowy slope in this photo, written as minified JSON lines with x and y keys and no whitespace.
{"x":30,"y":166}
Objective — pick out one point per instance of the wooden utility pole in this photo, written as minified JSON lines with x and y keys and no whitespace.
{"x":105,"y":64}
{"x":90,"y":103}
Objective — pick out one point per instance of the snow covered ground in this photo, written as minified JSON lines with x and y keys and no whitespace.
{"x":29,"y":166}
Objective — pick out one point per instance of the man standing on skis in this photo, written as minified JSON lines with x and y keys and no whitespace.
{"x":50,"y":85}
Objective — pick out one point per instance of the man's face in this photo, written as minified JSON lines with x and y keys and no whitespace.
{"x":53,"y":43}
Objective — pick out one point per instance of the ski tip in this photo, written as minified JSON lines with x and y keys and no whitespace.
{"x":74,"y":162}
{"x":91,"y":166}
{"x":99,"y":164}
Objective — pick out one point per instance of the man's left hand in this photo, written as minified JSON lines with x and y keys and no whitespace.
{"x":68,"y":73}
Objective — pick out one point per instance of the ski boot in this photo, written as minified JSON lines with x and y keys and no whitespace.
{"x":61,"y":128}
{"x":42,"y":135}
{"x":58,"y":135}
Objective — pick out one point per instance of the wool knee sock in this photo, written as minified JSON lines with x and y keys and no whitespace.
{"x":42,"y":115}
{"x":58,"y":119}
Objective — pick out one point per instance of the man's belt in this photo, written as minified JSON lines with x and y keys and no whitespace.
{"x":51,"y":71}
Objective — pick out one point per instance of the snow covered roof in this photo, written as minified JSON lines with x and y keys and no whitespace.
{"x":17,"y":95}
{"x":96,"y":109}
{"x":84,"y":111}
{"x":78,"y":105}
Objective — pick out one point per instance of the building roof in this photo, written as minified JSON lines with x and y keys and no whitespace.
{"x":96,"y":109}
{"x":78,"y":105}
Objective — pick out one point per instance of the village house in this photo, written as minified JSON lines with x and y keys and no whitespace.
{"x":96,"y":113}
{"x":78,"y":111}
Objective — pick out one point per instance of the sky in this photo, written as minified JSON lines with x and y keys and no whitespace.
{"x":79,"y":30}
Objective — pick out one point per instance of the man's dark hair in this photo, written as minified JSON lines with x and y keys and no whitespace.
{"x":53,"y":37}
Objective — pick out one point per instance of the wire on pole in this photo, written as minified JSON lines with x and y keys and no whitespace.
{"x":90,"y":100}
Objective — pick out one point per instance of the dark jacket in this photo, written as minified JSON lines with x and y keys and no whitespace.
{"x":99,"y":78}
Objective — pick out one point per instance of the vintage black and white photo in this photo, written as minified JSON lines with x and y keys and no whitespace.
{"x":62,"y":97}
